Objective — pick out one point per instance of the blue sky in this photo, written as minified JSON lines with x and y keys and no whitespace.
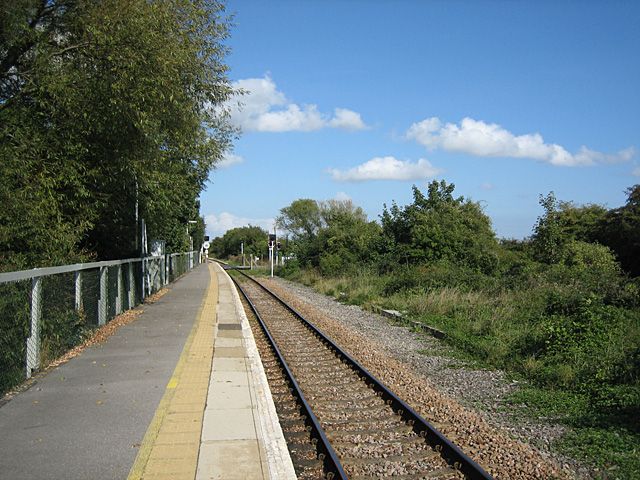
{"x":362,"y":99}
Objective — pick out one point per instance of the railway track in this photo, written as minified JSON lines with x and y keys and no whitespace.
{"x":340,"y":421}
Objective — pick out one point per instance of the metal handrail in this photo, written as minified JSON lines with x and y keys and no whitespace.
{"x":44,"y":271}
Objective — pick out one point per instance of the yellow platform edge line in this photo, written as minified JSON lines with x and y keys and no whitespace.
{"x":142,"y":458}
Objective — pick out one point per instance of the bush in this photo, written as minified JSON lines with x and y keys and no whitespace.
{"x":289,"y":269}
{"x":597,"y":342}
{"x":403,"y":279}
{"x":334,"y":264}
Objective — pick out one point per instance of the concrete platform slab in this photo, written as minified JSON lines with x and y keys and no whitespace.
{"x":236,"y":333}
{"x":226,"y":396}
{"x":229,"y":326}
{"x":228,"y":424}
{"x":235,"y":378}
{"x":229,"y":352}
{"x":228,"y":342}
{"x":229,"y":365}
{"x":230,"y":460}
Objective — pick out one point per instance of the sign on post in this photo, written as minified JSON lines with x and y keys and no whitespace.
{"x":272,"y":244}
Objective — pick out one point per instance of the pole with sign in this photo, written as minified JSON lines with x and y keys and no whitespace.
{"x":272,"y":247}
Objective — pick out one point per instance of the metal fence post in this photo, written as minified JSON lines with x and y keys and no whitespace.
{"x":102,"y":301}
{"x":119,"y":291}
{"x":78,"y":284}
{"x":33,"y":341}
{"x":143,"y":266}
{"x":166,"y":261}
{"x":132,"y":286}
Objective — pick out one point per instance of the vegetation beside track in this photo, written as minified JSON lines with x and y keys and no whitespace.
{"x":110,"y":112}
{"x":557,"y":309}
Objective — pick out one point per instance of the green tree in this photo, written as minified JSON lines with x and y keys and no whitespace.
{"x":580,"y":222}
{"x":620,"y":231}
{"x":253,"y":238}
{"x":548,"y":238}
{"x":105,"y":106}
{"x":347,"y":240}
{"x":440,"y":227}
{"x":303,"y":219}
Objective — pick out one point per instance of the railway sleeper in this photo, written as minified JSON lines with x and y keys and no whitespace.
{"x":380,"y":429}
{"x":384,"y":422}
{"x":401,"y":466}
{"x":290,"y":408}
{"x":314,"y":380}
{"x":427,"y":454}
{"x":357,"y":389}
{"x":302,"y":452}
{"x":299,"y":437}
{"x":382,"y":408}
{"x":407,"y":441}
{"x":290,"y":418}
{"x":446,"y":473}
{"x":348,"y":403}
{"x":336,"y":372}
{"x":329,"y":365}
{"x":292,"y":360}
{"x":311,"y":464}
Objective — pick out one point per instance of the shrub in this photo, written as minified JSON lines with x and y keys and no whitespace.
{"x":333,"y":264}
{"x":289,"y":269}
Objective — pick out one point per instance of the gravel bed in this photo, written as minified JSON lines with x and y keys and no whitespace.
{"x":389,"y":455}
{"x":424,"y":366}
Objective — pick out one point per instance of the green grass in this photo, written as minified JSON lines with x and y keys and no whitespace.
{"x":615,"y":452}
{"x":608,"y":441}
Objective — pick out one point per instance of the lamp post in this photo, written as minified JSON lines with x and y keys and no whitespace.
{"x":190,"y":243}
{"x":190,"y":237}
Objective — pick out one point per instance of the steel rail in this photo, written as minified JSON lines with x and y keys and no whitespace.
{"x":326,"y":453}
{"x":452,"y":454}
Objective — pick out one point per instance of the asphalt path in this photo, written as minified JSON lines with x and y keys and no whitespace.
{"x":86,"y":419}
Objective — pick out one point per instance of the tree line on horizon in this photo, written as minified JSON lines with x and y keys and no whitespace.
{"x":336,"y":236}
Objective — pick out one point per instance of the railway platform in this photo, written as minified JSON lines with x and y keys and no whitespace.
{"x":180,"y":393}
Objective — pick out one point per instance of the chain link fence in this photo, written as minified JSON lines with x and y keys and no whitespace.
{"x":46,"y":311}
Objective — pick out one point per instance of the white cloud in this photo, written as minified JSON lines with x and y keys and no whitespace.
{"x":487,"y":186}
{"x":481,"y":139}
{"x":295,"y":118}
{"x":599,"y":157}
{"x":636,"y":172}
{"x":264,"y":108}
{"x":342,"y":197}
{"x":347,"y":119}
{"x":218,"y":224}
{"x":229,"y":159}
{"x":386,"y":168}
